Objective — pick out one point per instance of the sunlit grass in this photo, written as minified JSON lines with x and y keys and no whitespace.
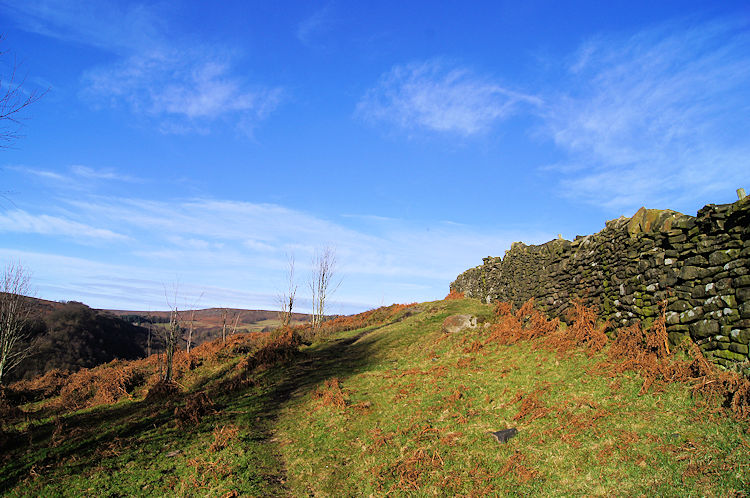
{"x":430,"y":407}
{"x":396,"y":407}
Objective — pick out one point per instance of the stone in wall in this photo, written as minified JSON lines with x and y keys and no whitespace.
{"x":699,"y":264}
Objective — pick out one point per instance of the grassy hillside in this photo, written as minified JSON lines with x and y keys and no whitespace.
{"x":387,"y":403}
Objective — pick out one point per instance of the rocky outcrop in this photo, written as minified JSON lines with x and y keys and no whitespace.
{"x":699,"y":264}
{"x":457,"y":323}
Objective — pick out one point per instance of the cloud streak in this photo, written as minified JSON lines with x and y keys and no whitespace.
{"x":440,"y":97}
{"x":79,"y":176}
{"x":108,"y":174}
{"x":104,"y":25}
{"x":239,"y":249}
{"x":20,"y":221}
{"x":184,"y":85}
{"x":660,"y":116}
{"x":188,"y":90}
{"x":319,"y":22}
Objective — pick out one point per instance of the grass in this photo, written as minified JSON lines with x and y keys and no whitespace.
{"x":394,"y":407}
{"x":136,"y":448}
{"x":418,"y":418}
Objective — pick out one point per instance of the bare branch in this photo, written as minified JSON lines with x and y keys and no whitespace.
{"x":322,"y":282}
{"x":286,"y":298}
{"x":15,"y":308}
{"x":189,"y":339}
{"x":172,"y":331}
{"x":13,"y":101}
{"x":224,"y":313}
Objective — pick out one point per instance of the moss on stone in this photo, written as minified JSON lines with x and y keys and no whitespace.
{"x":730,"y":355}
{"x":739,"y":348}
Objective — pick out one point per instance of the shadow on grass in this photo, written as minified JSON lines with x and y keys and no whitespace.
{"x":336,"y":358}
{"x":74,"y":442}
{"x":77,"y":437}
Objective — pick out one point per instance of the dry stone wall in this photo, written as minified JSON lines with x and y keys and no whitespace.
{"x":699,"y":264}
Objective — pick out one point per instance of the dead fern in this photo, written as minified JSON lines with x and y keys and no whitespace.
{"x":525,"y":324}
{"x":330,"y":395}
{"x":223,"y":437}
{"x":196,"y":407}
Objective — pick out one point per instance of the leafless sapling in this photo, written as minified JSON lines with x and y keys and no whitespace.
{"x":322,"y":283}
{"x":15,"y":308}
{"x":287,"y":297}
{"x":224,"y":313}
{"x":189,"y":340}
{"x":171,"y":333}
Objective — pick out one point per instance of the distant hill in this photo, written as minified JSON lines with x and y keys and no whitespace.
{"x":208,"y":323}
{"x":71,"y":336}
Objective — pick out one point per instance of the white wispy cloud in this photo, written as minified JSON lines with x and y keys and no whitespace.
{"x":184,"y":85}
{"x":241,"y":247}
{"x":223,"y":226}
{"x":118,"y":286}
{"x":23,"y":222}
{"x":320,"y":21}
{"x":657,"y":117}
{"x":76,"y":176}
{"x":438,"y":96}
{"x":106,"y":25}
{"x":100,"y":174}
{"x":40,"y":173}
{"x":192,"y":88}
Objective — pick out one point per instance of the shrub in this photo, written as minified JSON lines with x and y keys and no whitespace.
{"x":38,"y":388}
{"x":525,"y":324}
{"x":647,"y":351}
{"x":162,"y":389}
{"x":583,"y":330}
{"x":104,"y":385}
{"x":196,"y":407}
{"x":8,"y":411}
{"x":454,"y":294}
{"x":279,"y":346}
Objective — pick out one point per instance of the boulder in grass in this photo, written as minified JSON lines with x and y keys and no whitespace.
{"x":456,"y":323}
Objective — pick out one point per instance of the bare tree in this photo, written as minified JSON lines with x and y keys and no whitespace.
{"x":236,"y":322}
{"x":13,"y":101}
{"x":286,"y":298}
{"x":171,"y":333}
{"x":322,"y":283}
{"x":224,"y":313}
{"x":15,"y":308}
{"x":189,"y":340}
{"x":148,"y":343}
{"x":190,"y":331}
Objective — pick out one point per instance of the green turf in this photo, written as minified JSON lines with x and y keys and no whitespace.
{"x":413,"y":417}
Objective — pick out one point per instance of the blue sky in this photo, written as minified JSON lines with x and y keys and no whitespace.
{"x":182,"y":142}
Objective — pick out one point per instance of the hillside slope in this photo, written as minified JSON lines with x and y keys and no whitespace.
{"x":70,"y":336}
{"x":388,"y":403}
{"x":208,"y":323}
